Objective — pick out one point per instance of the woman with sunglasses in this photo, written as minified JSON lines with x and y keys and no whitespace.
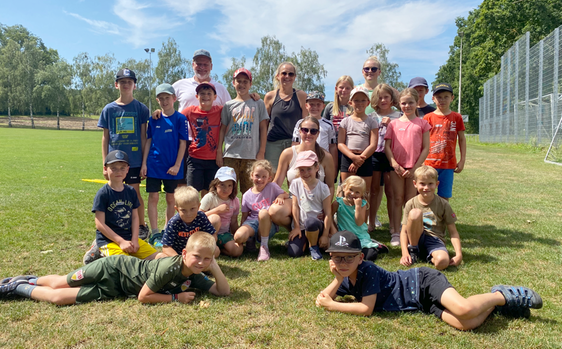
{"x":285,"y":107}
{"x":371,"y":71}
{"x":309,"y":131}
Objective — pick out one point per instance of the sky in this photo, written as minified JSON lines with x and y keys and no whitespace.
{"x":418,"y":33}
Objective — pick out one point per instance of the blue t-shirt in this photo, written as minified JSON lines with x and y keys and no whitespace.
{"x":166,"y":133}
{"x":118,"y":207}
{"x":124,"y":125}
{"x":396,"y":291}
{"x":177,"y":232}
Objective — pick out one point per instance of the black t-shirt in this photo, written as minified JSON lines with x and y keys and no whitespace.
{"x":425,"y":110}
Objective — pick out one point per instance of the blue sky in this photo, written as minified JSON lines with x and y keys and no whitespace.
{"x":418,"y":33}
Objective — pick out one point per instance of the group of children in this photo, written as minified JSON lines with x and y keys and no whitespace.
{"x":383,"y":147}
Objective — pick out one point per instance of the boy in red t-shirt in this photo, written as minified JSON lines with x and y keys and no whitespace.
{"x":204,"y":123}
{"x":446,"y":127}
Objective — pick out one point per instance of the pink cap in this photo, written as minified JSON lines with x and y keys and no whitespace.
{"x":306,"y":158}
{"x":242,"y":71}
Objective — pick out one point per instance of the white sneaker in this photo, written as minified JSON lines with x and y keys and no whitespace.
{"x":378,"y":223}
{"x":395,"y":239}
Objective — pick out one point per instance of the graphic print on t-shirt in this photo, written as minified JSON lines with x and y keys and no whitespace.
{"x":243,"y":117}
{"x":204,"y":135}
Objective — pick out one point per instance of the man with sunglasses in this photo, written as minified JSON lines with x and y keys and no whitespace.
{"x":423,"y":289}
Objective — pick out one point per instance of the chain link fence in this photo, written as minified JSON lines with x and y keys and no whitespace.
{"x":521,"y":103}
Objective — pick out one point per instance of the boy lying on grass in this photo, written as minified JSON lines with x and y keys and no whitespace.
{"x":156,"y":281}
{"x":425,"y":289}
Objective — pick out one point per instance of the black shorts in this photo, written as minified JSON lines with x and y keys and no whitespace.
{"x":200,"y":173}
{"x":366,"y":170}
{"x":381,"y":163}
{"x":154,"y":185}
{"x":432,"y":285}
{"x":133,"y":176}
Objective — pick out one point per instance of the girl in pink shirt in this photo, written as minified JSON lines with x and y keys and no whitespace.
{"x":406,"y":146}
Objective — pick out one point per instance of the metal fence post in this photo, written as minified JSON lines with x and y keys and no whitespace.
{"x":527,"y":49}
{"x":555,"y":117}
{"x":539,"y":102}
{"x":516,"y":105}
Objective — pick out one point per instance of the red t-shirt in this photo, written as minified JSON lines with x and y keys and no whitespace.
{"x":205,"y":128}
{"x":443,"y":139}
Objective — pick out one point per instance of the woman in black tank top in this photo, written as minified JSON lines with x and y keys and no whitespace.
{"x":285,"y":107}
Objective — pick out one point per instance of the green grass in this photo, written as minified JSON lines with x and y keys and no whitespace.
{"x":507,"y":201}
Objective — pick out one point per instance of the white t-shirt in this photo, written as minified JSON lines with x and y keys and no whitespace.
{"x":310,"y":202}
{"x":185,"y":92}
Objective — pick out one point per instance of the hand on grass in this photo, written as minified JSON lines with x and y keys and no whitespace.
{"x":406,"y":260}
{"x":455,"y":261}
{"x":324,"y":242}
{"x":323,"y":300}
{"x":186,"y":297}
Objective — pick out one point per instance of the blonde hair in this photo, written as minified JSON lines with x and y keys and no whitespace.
{"x":355,"y":181}
{"x":336,"y":103}
{"x":411,"y":92}
{"x":185,"y":195}
{"x":376,"y":94}
{"x":425,"y":171}
{"x":200,"y":240}
{"x":263,"y":164}
{"x":278,"y":71}
{"x":374,"y":59}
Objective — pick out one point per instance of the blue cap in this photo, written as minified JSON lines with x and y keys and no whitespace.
{"x":418,"y":82}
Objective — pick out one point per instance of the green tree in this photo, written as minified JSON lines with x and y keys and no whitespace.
{"x":488,"y":32}
{"x":142,"y":71}
{"x":82,"y":79}
{"x":171,"y":65}
{"x":227,"y":76}
{"x":103,"y":69}
{"x":310,"y":72}
{"x":10,"y":58}
{"x":390,"y":74}
{"x":53,"y":84}
{"x":268,"y":56}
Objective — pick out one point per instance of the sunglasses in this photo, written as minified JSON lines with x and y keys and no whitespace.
{"x":290,"y":74}
{"x":312,"y":131}
{"x":344,"y":259}
{"x":370,"y":69}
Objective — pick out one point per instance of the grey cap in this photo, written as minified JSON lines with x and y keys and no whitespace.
{"x":315,"y":95}
{"x":165,"y":88}
{"x":202,"y":52}
{"x":116,"y":156}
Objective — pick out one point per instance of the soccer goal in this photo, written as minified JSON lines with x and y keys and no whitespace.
{"x":554,"y":153}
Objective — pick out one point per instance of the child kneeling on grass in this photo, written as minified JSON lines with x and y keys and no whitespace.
{"x":425,"y":289}
{"x":157,"y":281}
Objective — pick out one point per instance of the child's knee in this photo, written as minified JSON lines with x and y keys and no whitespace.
{"x":215,"y":221}
{"x":263,"y":215}
{"x":440,"y":260}
{"x":415,"y":214}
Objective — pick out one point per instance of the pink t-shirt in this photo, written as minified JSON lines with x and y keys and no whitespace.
{"x":407,"y":140}
{"x":211,"y":201}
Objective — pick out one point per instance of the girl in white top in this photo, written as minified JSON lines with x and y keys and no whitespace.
{"x":382,"y":101}
{"x":357,"y":138}
{"x":310,"y":199}
{"x":222,"y":205}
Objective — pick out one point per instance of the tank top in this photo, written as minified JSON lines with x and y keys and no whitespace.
{"x":283,"y":118}
{"x":293,"y":172}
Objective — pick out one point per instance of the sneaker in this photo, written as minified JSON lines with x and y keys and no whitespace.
{"x":395,"y":239}
{"x":414,"y":253}
{"x":7,"y":290}
{"x":92,"y":254}
{"x":519,"y":297}
{"x":378,"y":223}
{"x":315,"y":253}
{"x":264,"y":254}
{"x":144,"y":232}
{"x":6,"y":280}
{"x":156,"y":239}
{"x":251,"y":245}
{"x":382,"y":248}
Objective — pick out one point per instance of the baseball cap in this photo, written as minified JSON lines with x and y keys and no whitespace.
{"x":442,"y":87}
{"x":116,"y":156}
{"x":359,"y":89}
{"x":165,"y":88}
{"x":205,"y":84}
{"x":315,"y":95}
{"x":202,"y":52}
{"x":418,"y":81}
{"x":226,"y":173}
{"x":242,"y":71}
{"x":126,"y":73}
{"x":344,"y":241}
{"x":306,"y":158}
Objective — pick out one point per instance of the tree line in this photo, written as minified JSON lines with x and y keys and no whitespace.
{"x":487,"y":33}
{"x":35,"y":80}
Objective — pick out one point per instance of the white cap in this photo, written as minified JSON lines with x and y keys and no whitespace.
{"x":226,"y":173}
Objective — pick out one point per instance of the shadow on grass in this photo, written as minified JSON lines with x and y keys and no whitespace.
{"x":234,"y":272}
{"x":490,"y":236}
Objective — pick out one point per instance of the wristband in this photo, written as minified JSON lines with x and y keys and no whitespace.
{"x":174,"y":297}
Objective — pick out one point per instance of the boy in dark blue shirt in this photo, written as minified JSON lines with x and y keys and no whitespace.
{"x":425,"y":289}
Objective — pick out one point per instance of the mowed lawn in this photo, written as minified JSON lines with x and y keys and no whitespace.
{"x":508,"y":204}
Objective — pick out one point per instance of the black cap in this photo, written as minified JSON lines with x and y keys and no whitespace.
{"x":116,"y":156}
{"x":442,"y":87}
{"x":126,"y":73}
{"x":344,"y":241}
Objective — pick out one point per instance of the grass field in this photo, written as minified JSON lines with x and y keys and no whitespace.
{"x":507,"y":202}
